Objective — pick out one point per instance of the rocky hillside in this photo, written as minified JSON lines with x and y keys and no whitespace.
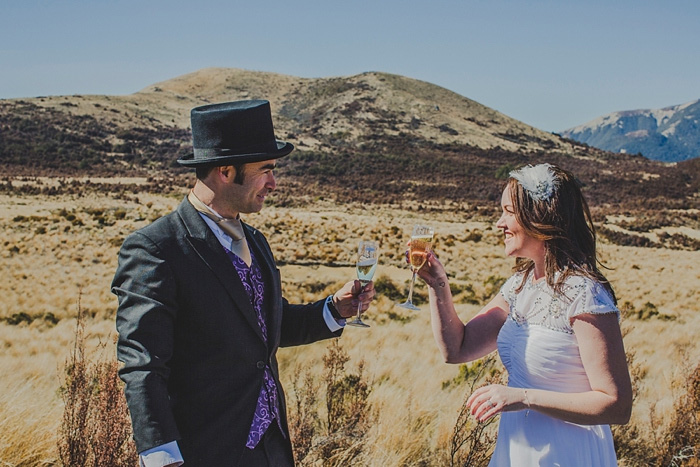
{"x":670,"y":134}
{"x":373,"y":137}
{"x":317,"y":112}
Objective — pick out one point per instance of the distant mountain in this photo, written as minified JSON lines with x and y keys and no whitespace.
{"x":670,"y":134}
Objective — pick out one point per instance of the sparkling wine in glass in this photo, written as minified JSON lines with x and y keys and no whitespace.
{"x":367,"y":255}
{"x":421,"y":242}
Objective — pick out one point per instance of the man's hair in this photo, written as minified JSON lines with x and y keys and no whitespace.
{"x":203,"y":172}
{"x":565,"y":225}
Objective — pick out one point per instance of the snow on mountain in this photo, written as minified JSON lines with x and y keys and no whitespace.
{"x":669,"y":134}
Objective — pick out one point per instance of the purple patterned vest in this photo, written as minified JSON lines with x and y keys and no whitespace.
{"x":267,"y":408}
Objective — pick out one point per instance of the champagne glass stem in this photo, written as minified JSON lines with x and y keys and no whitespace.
{"x":410,"y":289}
{"x":359,"y":305}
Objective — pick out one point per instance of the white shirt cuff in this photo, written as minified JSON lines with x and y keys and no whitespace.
{"x":162,"y":455}
{"x":333,"y":324}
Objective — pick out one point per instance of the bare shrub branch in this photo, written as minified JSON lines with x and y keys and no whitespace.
{"x":303,"y":418}
{"x":472,"y":444}
{"x":95,"y":429}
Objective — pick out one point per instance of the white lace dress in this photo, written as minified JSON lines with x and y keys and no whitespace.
{"x":539,"y":350}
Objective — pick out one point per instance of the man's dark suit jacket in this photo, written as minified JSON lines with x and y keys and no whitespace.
{"x":192,"y":349}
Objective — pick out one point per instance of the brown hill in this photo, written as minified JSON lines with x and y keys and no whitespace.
{"x":319,"y":111}
{"x":373,"y":137}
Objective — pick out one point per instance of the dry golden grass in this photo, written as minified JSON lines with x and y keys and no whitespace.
{"x":58,"y":250}
{"x":32,"y":358}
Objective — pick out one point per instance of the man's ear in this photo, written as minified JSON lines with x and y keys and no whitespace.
{"x":226,"y":173}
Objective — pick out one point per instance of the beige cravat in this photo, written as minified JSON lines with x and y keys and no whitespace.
{"x":233,"y":227}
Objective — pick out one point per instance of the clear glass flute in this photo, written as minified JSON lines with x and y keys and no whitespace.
{"x":367,"y":256}
{"x":421,"y":242}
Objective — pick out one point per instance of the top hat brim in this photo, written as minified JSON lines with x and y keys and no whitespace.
{"x":229,"y":159}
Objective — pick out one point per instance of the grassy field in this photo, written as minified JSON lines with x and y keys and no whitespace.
{"x":59,"y":253}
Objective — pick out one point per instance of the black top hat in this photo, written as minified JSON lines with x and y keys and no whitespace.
{"x":233,"y":133}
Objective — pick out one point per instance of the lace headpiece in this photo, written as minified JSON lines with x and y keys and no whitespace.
{"x":538,"y":181}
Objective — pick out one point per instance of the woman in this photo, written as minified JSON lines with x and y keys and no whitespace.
{"x":555,"y":325}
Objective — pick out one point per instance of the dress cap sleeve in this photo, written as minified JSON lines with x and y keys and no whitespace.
{"x":508,"y":289}
{"x":590,"y":297}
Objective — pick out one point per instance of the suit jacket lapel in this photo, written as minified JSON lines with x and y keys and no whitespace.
{"x":273,"y":287}
{"x":205,"y":243}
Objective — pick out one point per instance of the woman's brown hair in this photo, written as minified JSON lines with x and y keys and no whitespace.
{"x":564,"y":223}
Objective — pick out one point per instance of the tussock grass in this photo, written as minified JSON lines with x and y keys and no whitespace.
{"x":28,"y":424}
{"x":48,"y":260}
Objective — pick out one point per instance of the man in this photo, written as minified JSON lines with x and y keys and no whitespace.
{"x":201,"y":313}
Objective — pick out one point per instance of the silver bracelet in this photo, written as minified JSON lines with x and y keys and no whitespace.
{"x":527,"y":402}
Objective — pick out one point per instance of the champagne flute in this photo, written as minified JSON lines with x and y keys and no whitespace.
{"x":421,"y":241}
{"x":367,"y":254}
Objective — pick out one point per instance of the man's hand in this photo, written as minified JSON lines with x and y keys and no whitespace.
{"x":352,"y":294}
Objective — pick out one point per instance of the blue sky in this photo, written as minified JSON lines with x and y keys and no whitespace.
{"x":551,"y":64}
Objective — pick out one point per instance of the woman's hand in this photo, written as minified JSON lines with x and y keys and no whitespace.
{"x":489,"y":401}
{"x":433,"y":272}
